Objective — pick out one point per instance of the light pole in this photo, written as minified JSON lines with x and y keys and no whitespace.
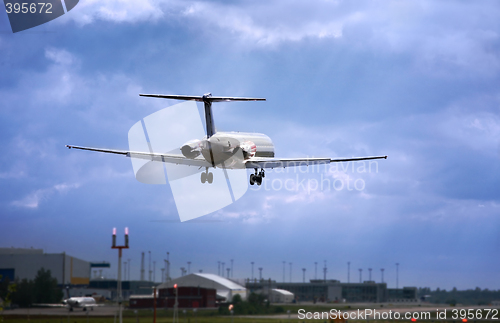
{"x":382,"y":270}
{"x":189,"y":267}
{"x":168,"y":267}
{"x":324,"y":272}
{"x":252,"y":270}
{"x":315,"y":270}
{"x":142,"y":267}
{"x":397,"y":275}
{"x":303,"y":275}
{"x":165,"y":269}
{"x":348,"y":271}
{"x":369,"y":274}
{"x":154,"y":271}
{"x":228,"y":270}
{"x":176,"y":306}
{"x":128,"y":268}
{"x":119,"y":280}
{"x":149,"y":265}
{"x":360,"y":270}
{"x":162,"y":275}
{"x":260,"y":273}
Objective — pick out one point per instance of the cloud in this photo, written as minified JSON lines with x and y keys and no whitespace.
{"x":119,"y":11}
{"x":443,"y":38}
{"x":33,"y":200}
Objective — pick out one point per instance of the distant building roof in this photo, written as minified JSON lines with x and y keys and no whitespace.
{"x":203,"y":280}
{"x":221,"y":280}
{"x":20,"y":251}
{"x":282,"y":291}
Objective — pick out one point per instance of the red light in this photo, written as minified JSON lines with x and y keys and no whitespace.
{"x":175,"y":285}
{"x":464,"y":320}
{"x":114,"y":231}
{"x":413,"y":319}
{"x":126,"y":231}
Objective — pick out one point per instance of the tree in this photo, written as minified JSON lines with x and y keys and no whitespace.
{"x":6,"y":290}
{"x":23,"y":296}
{"x":45,"y":288}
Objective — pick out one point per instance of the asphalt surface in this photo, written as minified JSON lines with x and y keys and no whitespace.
{"x":61,"y":311}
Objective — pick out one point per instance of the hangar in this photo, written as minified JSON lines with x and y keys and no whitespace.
{"x":225,"y":288}
{"x":281,"y":296}
{"x":24,"y":263}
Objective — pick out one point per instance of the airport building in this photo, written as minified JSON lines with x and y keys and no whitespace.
{"x":129,"y":287}
{"x":335,"y":291}
{"x":281,"y":296}
{"x":225,"y":288}
{"x":19,"y":263}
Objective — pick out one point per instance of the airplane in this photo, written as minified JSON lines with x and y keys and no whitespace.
{"x":83,"y":302}
{"x":223,"y":149}
{"x":75,"y":302}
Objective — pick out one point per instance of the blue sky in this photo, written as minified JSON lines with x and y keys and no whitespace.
{"x":417,"y":81}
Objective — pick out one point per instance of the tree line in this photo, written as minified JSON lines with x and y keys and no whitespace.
{"x":24,"y":293}
{"x":475,"y":296}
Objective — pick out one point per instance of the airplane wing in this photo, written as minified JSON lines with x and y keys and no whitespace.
{"x":49,"y":305}
{"x":254,"y":162}
{"x":262,"y":162}
{"x":166,"y":158}
{"x":92,"y":305}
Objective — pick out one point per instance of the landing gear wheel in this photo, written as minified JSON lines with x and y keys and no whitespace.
{"x":203,"y":177}
{"x":258,"y":180}
{"x":210,"y":178}
{"x":252,"y":179}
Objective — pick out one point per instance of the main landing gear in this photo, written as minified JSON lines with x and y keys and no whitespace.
{"x":207,"y":177}
{"x":257,"y":178}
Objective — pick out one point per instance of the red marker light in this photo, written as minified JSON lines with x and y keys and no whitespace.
{"x":413,"y":319}
{"x":464,"y":320}
{"x":175,"y":285}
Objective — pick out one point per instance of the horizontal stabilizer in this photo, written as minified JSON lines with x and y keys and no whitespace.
{"x":204,"y":98}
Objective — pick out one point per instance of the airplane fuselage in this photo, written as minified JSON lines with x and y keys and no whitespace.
{"x":223,"y":146}
{"x":83,"y":302}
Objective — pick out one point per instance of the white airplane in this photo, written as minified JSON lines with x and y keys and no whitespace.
{"x":81,"y":302}
{"x":74,"y":302}
{"x":222,"y":149}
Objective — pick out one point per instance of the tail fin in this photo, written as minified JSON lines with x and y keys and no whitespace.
{"x":207,"y":99}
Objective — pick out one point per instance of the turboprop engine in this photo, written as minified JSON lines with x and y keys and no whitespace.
{"x":192,"y":148}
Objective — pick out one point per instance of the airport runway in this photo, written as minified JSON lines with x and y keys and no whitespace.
{"x":60,"y":311}
{"x":112,"y":310}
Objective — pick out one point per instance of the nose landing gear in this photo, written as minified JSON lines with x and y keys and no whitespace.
{"x":207,"y":177}
{"x":257,"y":178}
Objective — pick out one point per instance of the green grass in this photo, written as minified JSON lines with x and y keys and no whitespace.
{"x":215,"y":319}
